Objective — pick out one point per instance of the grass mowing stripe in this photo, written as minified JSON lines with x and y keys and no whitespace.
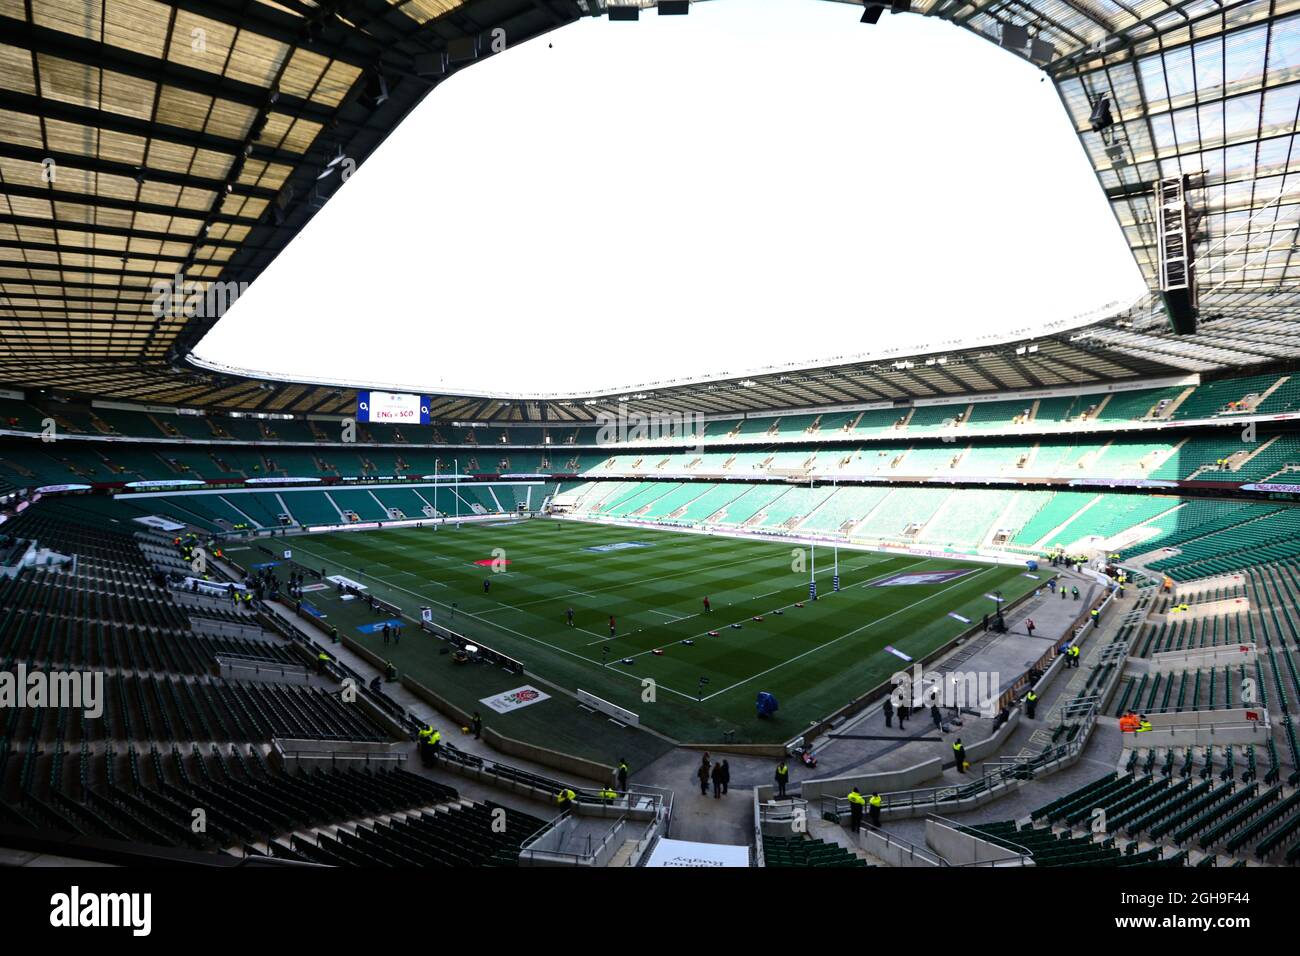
{"x":743,"y":585}
{"x":858,"y":630}
{"x":510,"y":630}
{"x":785,"y":608}
{"x":688,"y":617}
{"x":655,"y":592}
{"x":623,"y":584}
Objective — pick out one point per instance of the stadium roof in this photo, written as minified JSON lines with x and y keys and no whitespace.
{"x":139,"y":139}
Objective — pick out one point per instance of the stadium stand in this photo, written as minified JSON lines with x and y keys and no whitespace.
{"x":172,"y":736}
{"x":1147,"y":458}
{"x":800,"y":852}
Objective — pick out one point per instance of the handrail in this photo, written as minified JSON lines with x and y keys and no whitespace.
{"x":1024,"y":854}
{"x":999,"y":770}
{"x":1254,"y":726}
{"x":1003,"y":769}
{"x":589,"y":856}
{"x":789,"y":809}
{"x":586,"y":796}
{"x":892,"y":839}
{"x":260,"y":665}
{"x":889,"y":838}
{"x":393,"y":757}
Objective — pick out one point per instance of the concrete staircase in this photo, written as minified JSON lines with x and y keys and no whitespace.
{"x":1172,"y":407}
{"x":837,"y":834}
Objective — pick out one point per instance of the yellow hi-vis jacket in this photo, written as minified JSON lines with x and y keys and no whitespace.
{"x":855,"y":797}
{"x":1144,"y":726}
{"x":565,"y":796}
{"x":875,"y":800}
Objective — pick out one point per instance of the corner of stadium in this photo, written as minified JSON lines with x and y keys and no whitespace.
{"x":1027,"y":603}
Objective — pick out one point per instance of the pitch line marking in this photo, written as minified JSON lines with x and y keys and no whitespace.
{"x":857,"y":630}
{"x":587,"y":660}
{"x":412,"y":574}
{"x":782,"y":608}
{"x":634,"y":677}
{"x":688,"y":617}
{"x":614,"y":587}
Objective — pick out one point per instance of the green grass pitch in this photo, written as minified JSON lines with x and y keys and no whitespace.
{"x":814,"y":658}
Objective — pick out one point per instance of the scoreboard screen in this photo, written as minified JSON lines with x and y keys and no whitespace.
{"x":392,"y":408}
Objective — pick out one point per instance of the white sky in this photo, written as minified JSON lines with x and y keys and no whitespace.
{"x":758,"y":183}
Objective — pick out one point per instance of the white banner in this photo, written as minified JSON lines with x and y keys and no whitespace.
{"x":153,"y":521}
{"x":609,"y":710}
{"x":346,"y":582}
{"x":688,"y":853}
{"x":166,"y":483}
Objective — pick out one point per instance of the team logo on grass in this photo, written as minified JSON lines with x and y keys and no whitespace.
{"x":492,"y":562}
{"x":514,"y":699}
{"x":922,"y":577}
{"x":620,"y":546}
